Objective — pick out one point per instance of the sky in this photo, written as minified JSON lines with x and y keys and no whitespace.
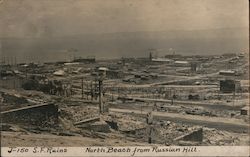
{"x":46,"y":18}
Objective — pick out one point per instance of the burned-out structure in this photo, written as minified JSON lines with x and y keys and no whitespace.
{"x":229,"y":86}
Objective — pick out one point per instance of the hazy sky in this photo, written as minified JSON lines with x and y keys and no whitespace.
{"x":36,"y":18}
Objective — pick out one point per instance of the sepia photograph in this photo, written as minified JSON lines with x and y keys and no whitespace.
{"x":124,"y":77}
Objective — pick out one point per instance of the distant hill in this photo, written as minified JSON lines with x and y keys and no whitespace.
{"x":127,"y":44}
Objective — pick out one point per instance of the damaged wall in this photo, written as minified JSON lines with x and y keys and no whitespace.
{"x":39,"y":115}
{"x":196,"y":135}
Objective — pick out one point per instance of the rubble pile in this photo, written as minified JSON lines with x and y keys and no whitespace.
{"x":217,"y":137}
{"x":99,"y":126}
{"x":78,"y":113}
{"x":126,"y":122}
{"x":168,"y":131}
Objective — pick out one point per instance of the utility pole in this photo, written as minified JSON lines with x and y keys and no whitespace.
{"x":87,"y":88}
{"x":95,"y":90}
{"x":8,"y":63}
{"x":91,"y":91}
{"x":234,"y":92}
{"x":82,"y":88}
{"x":173,"y":95}
{"x":4,"y":60}
{"x":102,"y":74}
{"x":15,"y":61}
{"x":112,"y":96}
{"x":100,"y":96}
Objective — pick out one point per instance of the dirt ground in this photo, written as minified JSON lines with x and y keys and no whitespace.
{"x":31,"y":140}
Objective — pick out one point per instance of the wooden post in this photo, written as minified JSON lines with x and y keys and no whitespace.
{"x":87,"y":89}
{"x":150,"y":122}
{"x":150,"y":135}
{"x":100,"y":97}
{"x":82,"y":88}
{"x":234,"y":92}
{"x":91,"y":90}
